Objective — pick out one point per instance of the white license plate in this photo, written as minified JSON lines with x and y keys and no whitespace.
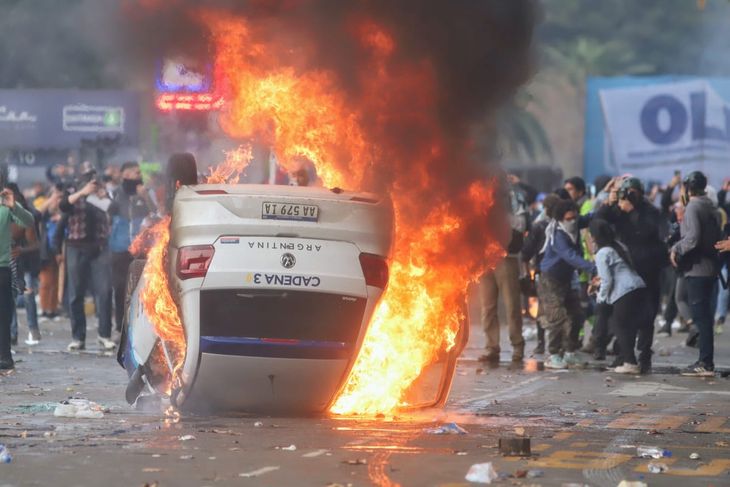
{"x":289,"y":211}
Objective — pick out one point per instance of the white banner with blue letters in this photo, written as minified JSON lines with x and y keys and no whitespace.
{"x":654,"y":130}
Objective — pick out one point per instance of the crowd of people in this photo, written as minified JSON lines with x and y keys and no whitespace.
{"x":624,"y":260}
{"x":65,"y":239}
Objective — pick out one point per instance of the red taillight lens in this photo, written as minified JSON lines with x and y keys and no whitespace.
{"x":375,"y":270}
{"x":194,"y":261}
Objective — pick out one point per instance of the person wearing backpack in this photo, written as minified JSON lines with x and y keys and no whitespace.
{"x":696,"y":258}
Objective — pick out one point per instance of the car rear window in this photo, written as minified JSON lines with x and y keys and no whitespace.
{"x":280,"y":314}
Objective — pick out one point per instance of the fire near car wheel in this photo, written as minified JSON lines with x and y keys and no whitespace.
{"x":136,"y":267}
{"x":182,"y":170}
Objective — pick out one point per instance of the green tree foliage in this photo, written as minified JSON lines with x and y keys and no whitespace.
{"x":626,"y":37}
{"x":581,"y":38}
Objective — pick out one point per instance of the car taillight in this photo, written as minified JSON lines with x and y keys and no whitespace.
{"x":375,"y":270}
{"x":194,"y":261}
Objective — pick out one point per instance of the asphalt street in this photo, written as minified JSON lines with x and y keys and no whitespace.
{"x":584,"y":426}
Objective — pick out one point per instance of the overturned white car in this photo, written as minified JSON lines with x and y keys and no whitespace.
{"x":275,"y":286}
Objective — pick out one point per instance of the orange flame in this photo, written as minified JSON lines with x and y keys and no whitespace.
{"x":305,"y":114}
{"x":157,"y":300}
{"x":442,"y":209}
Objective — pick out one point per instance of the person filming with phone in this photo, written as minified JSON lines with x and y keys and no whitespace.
{"x":88,"y":260}
{"x":10,"y":212}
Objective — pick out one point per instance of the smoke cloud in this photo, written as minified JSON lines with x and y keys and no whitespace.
{"x":479,"y":51}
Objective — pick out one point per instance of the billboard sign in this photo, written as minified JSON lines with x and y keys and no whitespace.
{"x":62,"y":119}
{"x":651,"y":126}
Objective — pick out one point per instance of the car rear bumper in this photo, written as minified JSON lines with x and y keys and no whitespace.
{"x":249,"y":383}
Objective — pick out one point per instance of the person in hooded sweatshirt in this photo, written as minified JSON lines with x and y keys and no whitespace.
{"x":696,"y":258}
{"x":560,"y":302}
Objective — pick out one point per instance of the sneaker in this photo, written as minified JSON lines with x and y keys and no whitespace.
{"x":76,"y":345}
{"x":698,"y":369}
{"x":106,"y":343}
{"x":34,"y":338}
{"x":555,"y":362}
{"x":539,"y":349}
{"x":616,"y":363}
{"x":572,"y":358}
{"x":7,"y":365}
{"x":644,"y":368}
{"x":627,"y":368}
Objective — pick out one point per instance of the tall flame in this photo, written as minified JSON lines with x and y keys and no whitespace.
{"x":382,"y":125}
{"x":305,"y":114}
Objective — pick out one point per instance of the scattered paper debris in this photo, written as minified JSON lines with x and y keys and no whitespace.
{"x":482,"y":473}
{"x":79,"y":408}
{"x":256,"y":473}
{"x":315,"y":453}
{"x":655,"y":467}
{"x":186,"y":437}
{"x":446,"y":429}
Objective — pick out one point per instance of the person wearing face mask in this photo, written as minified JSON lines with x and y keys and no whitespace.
{"x":560,"y":303}
{"x":131,"y":205}
{"x":637,"y":223}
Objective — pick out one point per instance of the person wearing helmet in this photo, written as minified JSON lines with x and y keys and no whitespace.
{"x":696,"y":258}
{"x":637,"y":225}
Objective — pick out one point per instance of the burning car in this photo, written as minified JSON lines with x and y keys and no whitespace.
{"x":275,"y":287}
{"x":261,"y":298}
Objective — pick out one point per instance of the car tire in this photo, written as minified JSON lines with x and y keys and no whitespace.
{"x":182,"y":170}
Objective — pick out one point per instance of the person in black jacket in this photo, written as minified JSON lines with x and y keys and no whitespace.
{"x":637,"y":223}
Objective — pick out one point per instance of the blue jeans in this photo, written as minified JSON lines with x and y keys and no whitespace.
{"x":699,"y":291}
{"x":723,"y":298}
{"x":89,"y":269}
{"x":27,"y":300}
